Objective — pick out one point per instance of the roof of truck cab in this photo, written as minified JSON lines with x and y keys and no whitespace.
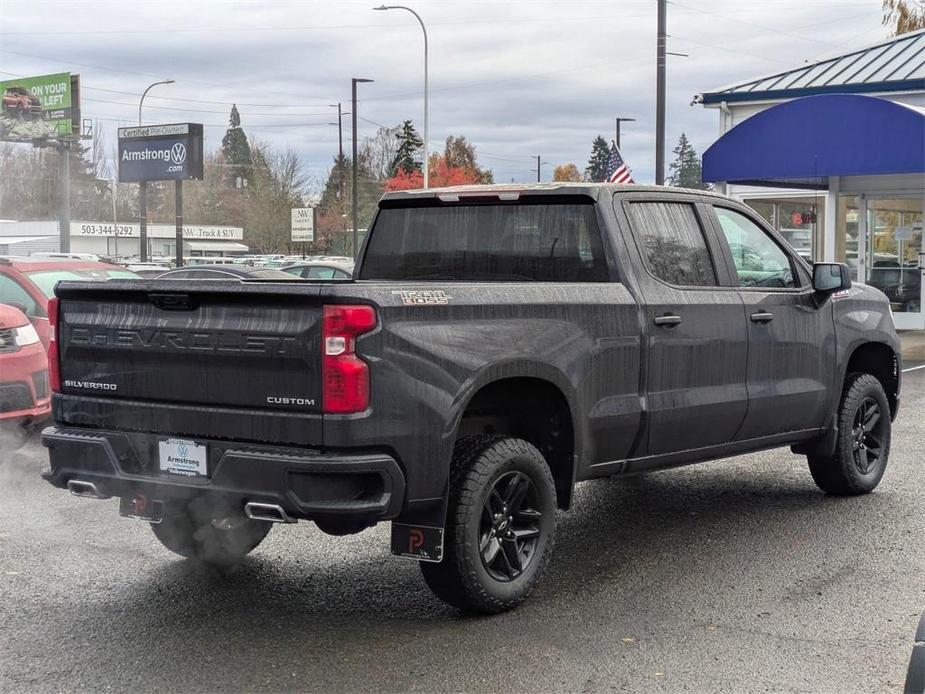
{"x":593,"y":190}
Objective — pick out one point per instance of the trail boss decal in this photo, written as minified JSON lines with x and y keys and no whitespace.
{"x":423,"y":297}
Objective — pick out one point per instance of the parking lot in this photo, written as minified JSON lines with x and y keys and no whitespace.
{"x":731,"y":575}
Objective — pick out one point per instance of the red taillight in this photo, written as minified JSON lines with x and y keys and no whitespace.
{"x":54,"y":368}
{"x":346,"y":376}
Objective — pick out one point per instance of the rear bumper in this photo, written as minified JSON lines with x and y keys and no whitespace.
{"x":305,"y":483}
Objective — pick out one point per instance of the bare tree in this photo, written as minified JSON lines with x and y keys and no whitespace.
{"x":903,"y":16}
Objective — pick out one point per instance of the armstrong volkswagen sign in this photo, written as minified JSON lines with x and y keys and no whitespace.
{"x":160,"y":153}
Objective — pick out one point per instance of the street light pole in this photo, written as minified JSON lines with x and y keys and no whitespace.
{"x":353,"y":164}
{"x":426,"y":88}
{"x":621,"y":120}
{"x":143,"y":187}
{"x":660,"y":66}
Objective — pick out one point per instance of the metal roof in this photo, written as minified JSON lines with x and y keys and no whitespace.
{"x":894,"y":65}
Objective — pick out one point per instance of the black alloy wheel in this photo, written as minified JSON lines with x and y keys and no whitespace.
{"x":862,"y":440}
{"x":510,"y":528}
{"x":866,"y":434}
{"x":500,"y":525}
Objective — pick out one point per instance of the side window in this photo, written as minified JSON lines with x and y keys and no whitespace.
{"x":759,"y":261}
{"x":13,"y":292}
{"x":673,"y":243}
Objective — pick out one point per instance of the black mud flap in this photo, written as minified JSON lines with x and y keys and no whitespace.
{"x":420,"y":542}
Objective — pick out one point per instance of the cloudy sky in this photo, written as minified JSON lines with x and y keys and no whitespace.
{"x":516,"y":77}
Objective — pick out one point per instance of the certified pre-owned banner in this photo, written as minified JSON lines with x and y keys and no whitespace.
{"x":160,"y":153}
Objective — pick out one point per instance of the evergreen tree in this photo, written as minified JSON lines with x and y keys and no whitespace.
{"x":407,"y":158}
{"x":685,"y":170}
{"x":597,"y":164}
{"x":236,"y":150}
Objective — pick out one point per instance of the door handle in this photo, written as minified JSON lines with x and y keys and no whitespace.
{"x":667,"y":321}
{"x":762,"y":317}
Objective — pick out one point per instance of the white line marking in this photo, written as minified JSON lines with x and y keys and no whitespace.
{"x":914,"y":368}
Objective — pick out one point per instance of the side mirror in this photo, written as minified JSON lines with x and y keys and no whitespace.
{"x":831,"y":277}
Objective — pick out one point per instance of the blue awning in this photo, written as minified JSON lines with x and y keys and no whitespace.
{"x":814,"y":137}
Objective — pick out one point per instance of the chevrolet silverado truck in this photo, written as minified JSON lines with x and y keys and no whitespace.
{"x":496,"y":346}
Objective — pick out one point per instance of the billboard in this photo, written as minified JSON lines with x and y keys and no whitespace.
{"x":170,"y":152}
{"x":40,"y":107}
{"x":303,"y":224}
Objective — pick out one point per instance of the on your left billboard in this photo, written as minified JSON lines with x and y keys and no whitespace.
{"x":38,"y":107}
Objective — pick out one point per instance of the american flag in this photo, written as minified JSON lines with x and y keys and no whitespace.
{"x":617,"y":170}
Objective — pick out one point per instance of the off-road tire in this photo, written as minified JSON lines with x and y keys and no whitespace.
{"x":462,"y":579}
{"x":839,"y":474}
{"x":196,"y":531}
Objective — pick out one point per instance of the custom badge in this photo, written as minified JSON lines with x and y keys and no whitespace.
{"x":423,"y":297}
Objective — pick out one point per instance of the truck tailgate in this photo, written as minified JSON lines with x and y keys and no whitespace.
{"x":215,"y":343}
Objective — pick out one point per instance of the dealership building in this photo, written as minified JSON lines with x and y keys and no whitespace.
{"x":120,"y":240}
{"x":832,"y":154}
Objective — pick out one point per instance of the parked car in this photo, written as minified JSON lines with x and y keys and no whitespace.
{"x":498,"y":345}
{"x":147,"y":270}
{"x":217,"y":272}
{"x":19,"y":102}
{"x":28,"y":283}
{"x":320,"y":270}
{"x":25,"y":399}
{"x":66,"y":256}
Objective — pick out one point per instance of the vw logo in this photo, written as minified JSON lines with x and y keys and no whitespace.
{"x":178,"y":153}
{"x":182,"y":449}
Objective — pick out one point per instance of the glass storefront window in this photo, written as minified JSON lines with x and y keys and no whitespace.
{"x":894,"y":242}
{"x":846,"y":238}
{"x":796,"y":218}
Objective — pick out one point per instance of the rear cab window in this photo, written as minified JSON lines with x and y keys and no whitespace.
{"x":551,"y":239}
{"x":672,"y":243}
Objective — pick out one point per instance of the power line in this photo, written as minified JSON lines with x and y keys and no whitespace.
{"x":323,"y":27}
{"x":326,"y":114}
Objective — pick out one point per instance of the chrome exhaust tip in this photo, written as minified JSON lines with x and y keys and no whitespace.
{"x":272,"y":513}
{"x":84,"y":489}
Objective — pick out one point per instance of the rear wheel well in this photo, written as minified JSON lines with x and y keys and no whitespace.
{"x":878,"y":360}
{"x":531,"y":409}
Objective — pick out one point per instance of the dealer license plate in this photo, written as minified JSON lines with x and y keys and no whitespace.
{"x":182,"y":457}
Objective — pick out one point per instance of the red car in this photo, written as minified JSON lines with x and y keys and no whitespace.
{"x":19,"y":102}
{"x":27,"y":284}
{"x":24,"y":394}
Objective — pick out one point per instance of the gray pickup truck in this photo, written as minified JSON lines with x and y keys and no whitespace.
{"x":497,"y":345}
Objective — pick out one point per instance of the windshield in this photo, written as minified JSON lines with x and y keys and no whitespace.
{"x":543,"y":241}
{"x":46,"y":280}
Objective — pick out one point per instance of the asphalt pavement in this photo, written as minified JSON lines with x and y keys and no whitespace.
{"x":735,"y":575}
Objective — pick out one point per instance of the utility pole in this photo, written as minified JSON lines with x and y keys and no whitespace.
{"x":537,"y":168}
{"x":178,"y":204}
{"x":115,"y":219}
{"x":353,"y":195}
{"x":64,"y":201}
{"x":340,"y":153}
{"x":660,"y":64}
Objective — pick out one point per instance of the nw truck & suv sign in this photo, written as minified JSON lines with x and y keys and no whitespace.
{"x":160,"y":153}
